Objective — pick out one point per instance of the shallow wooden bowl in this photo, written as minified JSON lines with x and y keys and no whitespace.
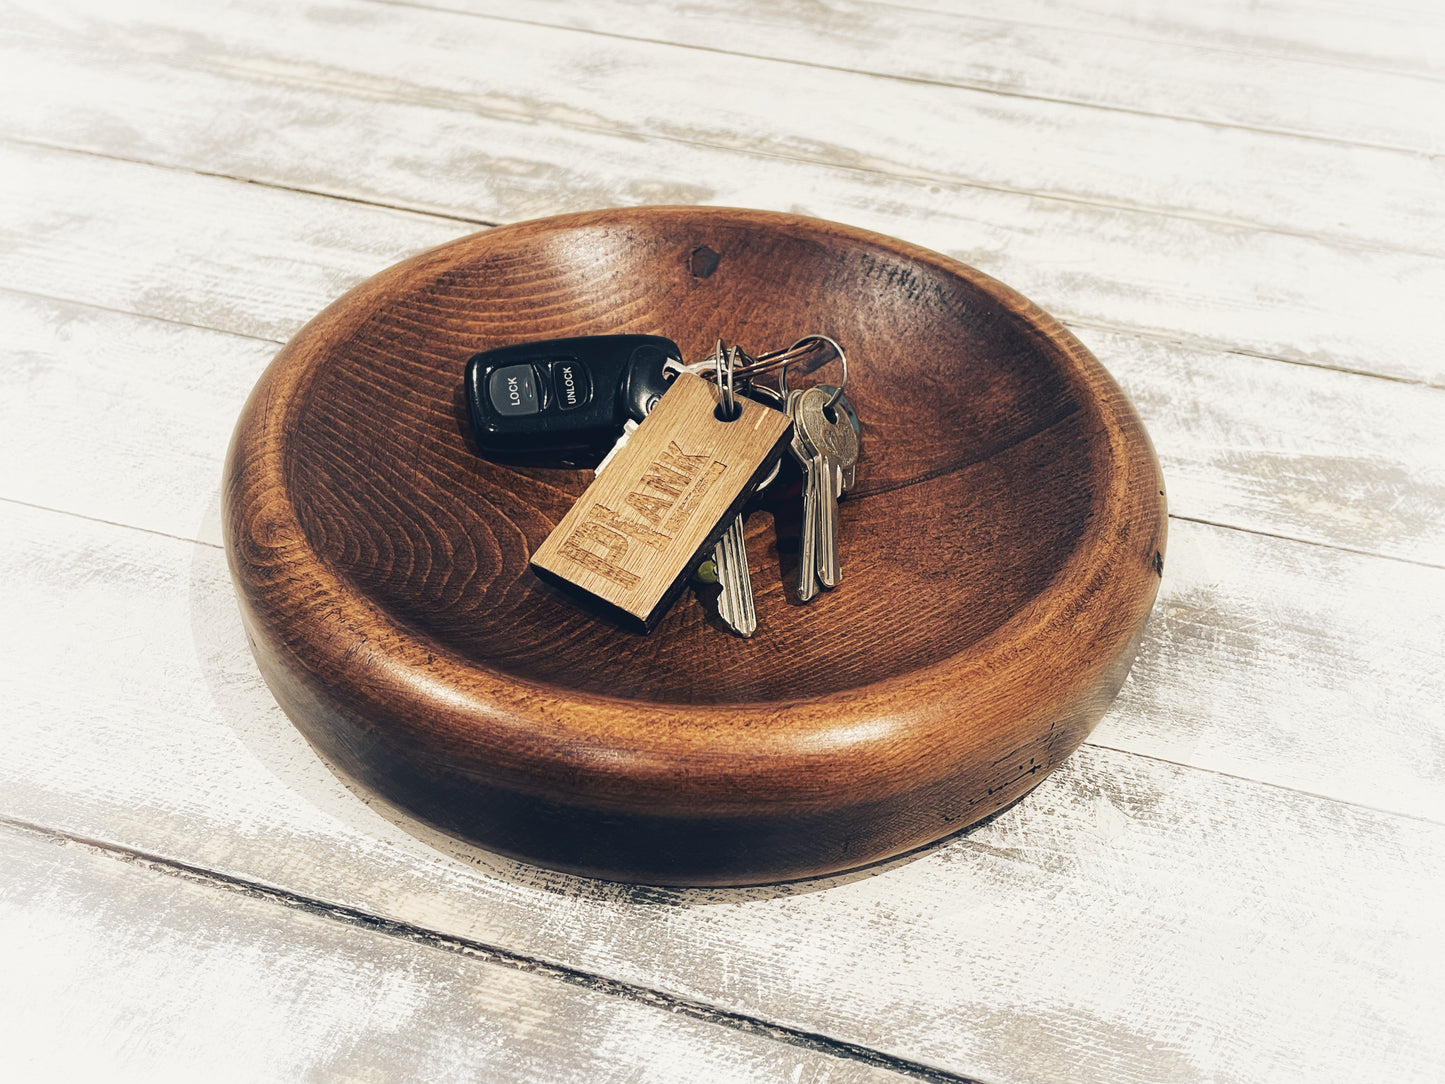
{"x":1001,"y":551}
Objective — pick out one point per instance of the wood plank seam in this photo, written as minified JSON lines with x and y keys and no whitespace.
{"x":975,"y":87}
{"x":1132,"y":376}
{"x":1346,"y":802}
{"x":420,"y":935}
{"x":16,"y":291}
{"x":109,"y":522}
{"x":1061,"y":314}
{"x":903,"y":174}
{"x":1233,"y":194}
{"x":259,"y":182}
{"x":1234,"y":48}
{"x":1173,"y":516}
{"x":1005,"y":16}
{"x":1200,"y":515}
{"x":1199,"y":342}
{"x":1304,"y":541}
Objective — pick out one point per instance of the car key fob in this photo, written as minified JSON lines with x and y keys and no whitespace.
{"x":563,"y":400}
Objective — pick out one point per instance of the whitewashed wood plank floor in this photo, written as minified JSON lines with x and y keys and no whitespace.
{"x":221,"y":983}
{"x":1238,"y":207}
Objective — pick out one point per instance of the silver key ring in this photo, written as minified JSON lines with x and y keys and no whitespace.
{"x":842,"y":357}
{"x":729,"y":394}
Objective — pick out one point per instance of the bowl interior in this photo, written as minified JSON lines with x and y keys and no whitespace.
{"x":978,"y":469}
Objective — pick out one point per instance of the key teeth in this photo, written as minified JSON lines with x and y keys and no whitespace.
{"x":808,"y":543}
{"x":830,"y":571}
{"x":735,"y":605}
{"x":826,"y":457}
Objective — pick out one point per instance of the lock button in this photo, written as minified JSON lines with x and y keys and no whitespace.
{"x":513,"y":391}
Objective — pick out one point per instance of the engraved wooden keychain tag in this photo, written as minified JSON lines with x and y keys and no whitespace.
{"x":635,"y":535}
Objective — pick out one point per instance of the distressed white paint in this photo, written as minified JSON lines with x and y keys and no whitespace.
{"x":195,"y":250}
{"x":144,"y":240}
{"x":1263,"y":908}
{"x":117,"y":417}
{"x":1008,"y":50}
{"x":1301,"y":665}
{"x":572,"y":81}
{"x":130,"y":975}
{"x":1404,"y":36}
{"x":1332,"y":457}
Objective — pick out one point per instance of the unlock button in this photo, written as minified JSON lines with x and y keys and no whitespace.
{"x":571,"y":384}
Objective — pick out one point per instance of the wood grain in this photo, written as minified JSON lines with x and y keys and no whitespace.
{"x":366,"y":539}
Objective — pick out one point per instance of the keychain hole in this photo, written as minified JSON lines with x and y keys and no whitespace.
{"x":831,"y":413}
{"x":722,"y":416}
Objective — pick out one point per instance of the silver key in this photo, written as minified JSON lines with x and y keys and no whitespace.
{"x":803,"y":452}
{"x":850,"y":473}
{"x":735,"y":603}
{"x":830,"y":435}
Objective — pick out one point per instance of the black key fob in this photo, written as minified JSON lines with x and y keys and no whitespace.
{"x":563,"y":400}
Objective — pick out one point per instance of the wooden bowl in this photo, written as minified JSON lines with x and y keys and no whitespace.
{"x":1001,"y":550}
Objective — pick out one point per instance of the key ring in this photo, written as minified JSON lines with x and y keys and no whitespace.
{"x":725,"y":387}
{"x":811,"y":339}
{"x":743,"y":366}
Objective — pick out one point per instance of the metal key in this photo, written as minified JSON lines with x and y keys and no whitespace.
{"x":850,"y":472}
{"x":829,"y":434}
{"x":803,"y":452}
{"x":735,"y":604}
